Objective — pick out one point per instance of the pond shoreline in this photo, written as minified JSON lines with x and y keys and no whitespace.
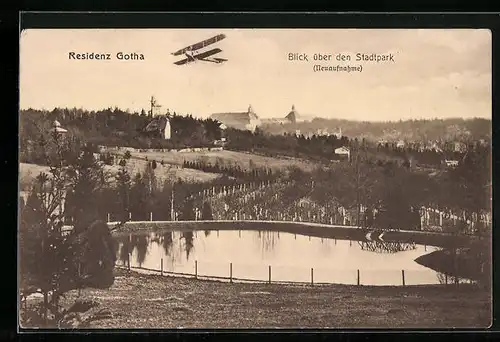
{"x":303,"y":228}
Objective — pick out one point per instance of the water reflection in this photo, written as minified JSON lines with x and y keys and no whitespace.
{"x":386,"y":247}
{"x":167,"y":241}
{"x":267,"y":241}
{"x":124,"y":248}
{"x":188,"y":242}
{"x":291,"y":257}
{"x":140,"y":243}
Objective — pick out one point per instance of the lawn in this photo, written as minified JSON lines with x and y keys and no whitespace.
{"x":154,"y":301}
{"x":225,"y":157}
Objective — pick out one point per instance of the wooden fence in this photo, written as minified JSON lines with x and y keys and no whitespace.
{"x":232,"y":279}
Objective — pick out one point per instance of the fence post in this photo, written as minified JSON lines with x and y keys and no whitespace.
{"x":403,"y":276}
{"x":269,"y":274}
{"x":196,"y":269}
{"x":151,"y":216}
{"x":358,"y":278}
{"x":130,"y":216}
{"x":446,"y":279}
{"x":230,"y":272}
{"x":161,"y":268}
{"x":108,"y":217}
{"x":312,"y":276}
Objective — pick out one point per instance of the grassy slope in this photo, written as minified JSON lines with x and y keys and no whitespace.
{"x":150,"y":301}
{"x":27,"y":172}
{"x":228,"y":157}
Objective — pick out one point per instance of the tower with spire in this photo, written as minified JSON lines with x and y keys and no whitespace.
{"x":293,"y":115}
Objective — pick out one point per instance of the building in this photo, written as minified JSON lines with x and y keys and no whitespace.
{"x":339,"y":133}
{"x":293,"y":116}
{"x":155,"y":107}
{"x":459,"y":146}
{"x":435,"y":146}
{"x":159,"y":127}
{"x":56,"y":126}
{"x":451,"y":163}
{"x":247,"y":121}
{"x":343,"y":153}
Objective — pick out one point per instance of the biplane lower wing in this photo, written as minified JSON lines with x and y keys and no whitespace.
{"x":182,"y":61}
{"x":207,"y":53}
{"x":199,"y":56}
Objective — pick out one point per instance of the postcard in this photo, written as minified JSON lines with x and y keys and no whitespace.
{"x":255,"y":178}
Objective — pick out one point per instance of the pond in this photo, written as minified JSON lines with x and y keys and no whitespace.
{"x":247,"y":255}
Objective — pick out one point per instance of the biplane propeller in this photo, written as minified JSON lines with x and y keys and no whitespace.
{"x":192,"y":52}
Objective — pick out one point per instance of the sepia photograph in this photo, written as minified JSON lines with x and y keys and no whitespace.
{"x":255,"y":178}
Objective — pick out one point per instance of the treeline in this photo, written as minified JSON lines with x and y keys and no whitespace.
{"x":315,"y":147}
{"x":412,"y":130}
{"x":322,"y":147}
{"x":409,"y":153}
{"x":414,"y":155}
{"x":396,"y":191}
{"x":115,"y":127}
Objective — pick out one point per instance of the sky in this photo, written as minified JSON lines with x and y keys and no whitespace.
{"x":438,"y":73}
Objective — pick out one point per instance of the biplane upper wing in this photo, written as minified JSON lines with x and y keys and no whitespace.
{"x":199,"y":56}
{"x":200,"y":45}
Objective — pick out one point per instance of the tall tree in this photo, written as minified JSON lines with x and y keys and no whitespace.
{"x":54,"y":261}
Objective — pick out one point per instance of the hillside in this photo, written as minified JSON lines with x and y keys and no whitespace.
{"x":245,"y":161}
{"x":410,"y":130}
{"x":425,"y":142}
{"x":28,"y":172}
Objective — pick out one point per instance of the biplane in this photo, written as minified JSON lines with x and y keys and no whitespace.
{"x":193,"y":54}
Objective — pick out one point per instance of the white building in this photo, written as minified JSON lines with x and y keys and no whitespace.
{"x":240,"y":120}
{"x":343,"y":152}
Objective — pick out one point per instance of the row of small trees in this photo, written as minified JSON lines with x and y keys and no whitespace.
{"x":236,"y":171}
